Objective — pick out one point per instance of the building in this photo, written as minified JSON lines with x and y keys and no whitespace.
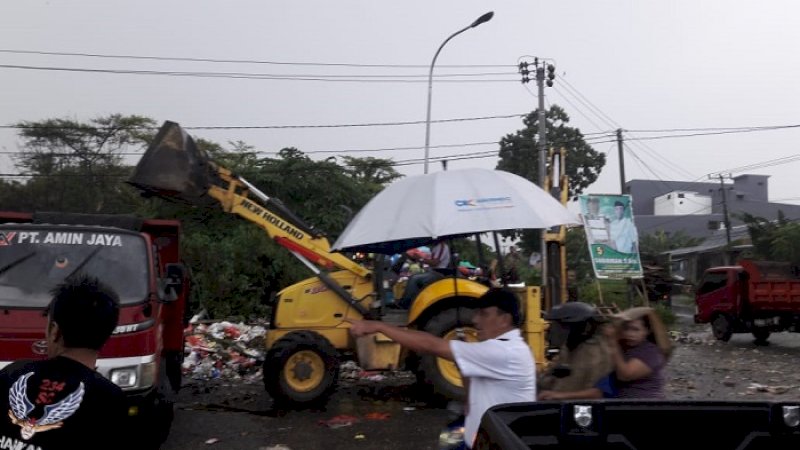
{"x":696,"y":209}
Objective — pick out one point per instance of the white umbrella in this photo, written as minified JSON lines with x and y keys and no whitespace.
{"x":416,"y":209}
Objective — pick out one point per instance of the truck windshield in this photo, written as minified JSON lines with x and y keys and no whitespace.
{"x":32,"y":262}
{"x":713,"y":281}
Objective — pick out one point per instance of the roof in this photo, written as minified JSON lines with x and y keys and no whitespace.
{"x":715,"y":241}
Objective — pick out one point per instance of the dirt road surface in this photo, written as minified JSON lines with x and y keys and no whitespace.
{"x":239,"y":416}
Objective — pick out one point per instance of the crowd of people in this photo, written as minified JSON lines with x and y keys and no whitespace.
{"x":57,"y":400}
{"x":623,"y":356}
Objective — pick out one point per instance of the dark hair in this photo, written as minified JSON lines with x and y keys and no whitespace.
{"x":86,"y":311}
{"x":619,"y":203}
{"x":505,"y":300}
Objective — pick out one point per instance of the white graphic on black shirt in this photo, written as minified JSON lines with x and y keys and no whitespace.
{"x":54,"y":415}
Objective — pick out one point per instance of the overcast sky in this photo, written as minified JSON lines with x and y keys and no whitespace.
{"x":638,"y":65}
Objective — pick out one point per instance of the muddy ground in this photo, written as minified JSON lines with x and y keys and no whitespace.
{"x":228,"y":415}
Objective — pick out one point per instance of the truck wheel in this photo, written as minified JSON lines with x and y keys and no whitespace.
{"x":761,"y":335}
{"x":721,"y":327}
{"x":301,"y":369}
{"x":443,"y":375}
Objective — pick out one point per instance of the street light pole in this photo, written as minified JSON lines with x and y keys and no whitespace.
{"x":484,"y":18}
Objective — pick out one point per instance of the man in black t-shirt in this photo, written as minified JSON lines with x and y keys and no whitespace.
{"x":62,"y":402}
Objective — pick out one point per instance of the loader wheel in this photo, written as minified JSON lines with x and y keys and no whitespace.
{"x":301,"y":369}
{"x":761,"y":335}
{"x":443,"y":375}
{"x":721,"y":327}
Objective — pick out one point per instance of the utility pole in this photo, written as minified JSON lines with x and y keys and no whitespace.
{"x":621,"y":162}
{"x":541,"y":79}
{"x":726,"y":218}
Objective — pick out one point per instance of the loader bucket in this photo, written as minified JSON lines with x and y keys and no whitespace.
{"x":174,"y":168}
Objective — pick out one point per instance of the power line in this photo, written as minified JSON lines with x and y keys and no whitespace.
{"x":312,"y":152}
{"x":558,"y":91}
{"x":249,"y":76}
{"x":672,"y":130}
{"x":714,"y":133}
{"x":277,"y":127}
{"x":645,"y":148}
{"x":249,"y":61}
{"x":763,"y":164}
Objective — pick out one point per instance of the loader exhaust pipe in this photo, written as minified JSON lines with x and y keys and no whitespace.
{"x":174,"y":168}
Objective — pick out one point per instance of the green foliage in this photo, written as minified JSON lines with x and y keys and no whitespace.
{"x":613,"y":292}
{"x":76,"y":166}
{"x":578,"y":258}
{"x":773,"y":240}
{"x":666,"y":314}
{"x":651,"y":246}
{"x":519,"y":151}
{"x":234,"y":265}
{"x":371,"y":173}
{"x":519,"y":155}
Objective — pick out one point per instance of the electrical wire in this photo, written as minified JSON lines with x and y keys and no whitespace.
{"x":249,"y":76}
{"x":280,"y":127}
{"x":248,"y":61}
{"x":609,"y":121}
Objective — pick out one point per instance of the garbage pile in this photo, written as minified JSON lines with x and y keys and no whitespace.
{"x":233,"y":351}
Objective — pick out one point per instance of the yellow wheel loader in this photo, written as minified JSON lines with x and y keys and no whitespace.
{"x":307,"y":333}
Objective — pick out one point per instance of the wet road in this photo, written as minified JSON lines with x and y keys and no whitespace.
{"x":241,"y":417}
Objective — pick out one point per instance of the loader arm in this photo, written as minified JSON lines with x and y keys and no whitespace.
{"x":174,"y":168}
{"x":236,"y":198}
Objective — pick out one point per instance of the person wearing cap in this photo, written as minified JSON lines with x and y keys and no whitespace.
{"x":499,"y":368}
{"x":622,"y":230}
{"x":584,"y":359}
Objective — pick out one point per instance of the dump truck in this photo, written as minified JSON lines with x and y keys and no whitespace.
{"x":140,"y":260}
{"x":308,"y":336}
{"x":758,"y":297}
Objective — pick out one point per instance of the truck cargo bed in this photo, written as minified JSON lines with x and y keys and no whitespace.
{"x":641,"y":424}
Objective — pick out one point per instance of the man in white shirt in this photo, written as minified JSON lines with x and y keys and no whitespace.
{"x":498,"y":369}
{"x":623,"y":232}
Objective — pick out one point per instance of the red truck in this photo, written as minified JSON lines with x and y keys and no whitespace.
{"x":756,"y":297}
{"x":140,"y":259}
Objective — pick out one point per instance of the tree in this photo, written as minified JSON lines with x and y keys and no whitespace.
{"x":578,"y":258}
{"x":235,"y":265}
{"x":373,"y":173}
{"x":77,"y":166}
{"x":519,"y":155}
{"x":519,"y":151}
{"x":774,"y":240}
{"x":652,"y":245}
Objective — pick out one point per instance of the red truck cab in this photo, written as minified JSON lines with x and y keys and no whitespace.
{"x":757,"y":297}
{"x":139,"y":259}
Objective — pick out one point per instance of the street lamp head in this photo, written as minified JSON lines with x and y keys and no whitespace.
{"x":484,"y":18}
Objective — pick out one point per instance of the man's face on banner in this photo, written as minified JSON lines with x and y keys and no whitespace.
{"x":620,"y":211}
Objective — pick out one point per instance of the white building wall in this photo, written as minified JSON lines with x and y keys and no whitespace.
{"x":680,"y":203}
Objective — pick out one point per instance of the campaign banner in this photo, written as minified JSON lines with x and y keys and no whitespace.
{"x":611,"y":235}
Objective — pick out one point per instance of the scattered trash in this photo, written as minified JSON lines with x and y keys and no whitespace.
{"x":223,"y":350}
{"x":377,"y":416}
{"x":339,"y":421}
{"x":212,"y":441}
{"x":275,"y":447}
{"x":757,"y":387}
{"x":360,"y":436}
{"x":349,"y":370}
{"x":409,"y":408}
